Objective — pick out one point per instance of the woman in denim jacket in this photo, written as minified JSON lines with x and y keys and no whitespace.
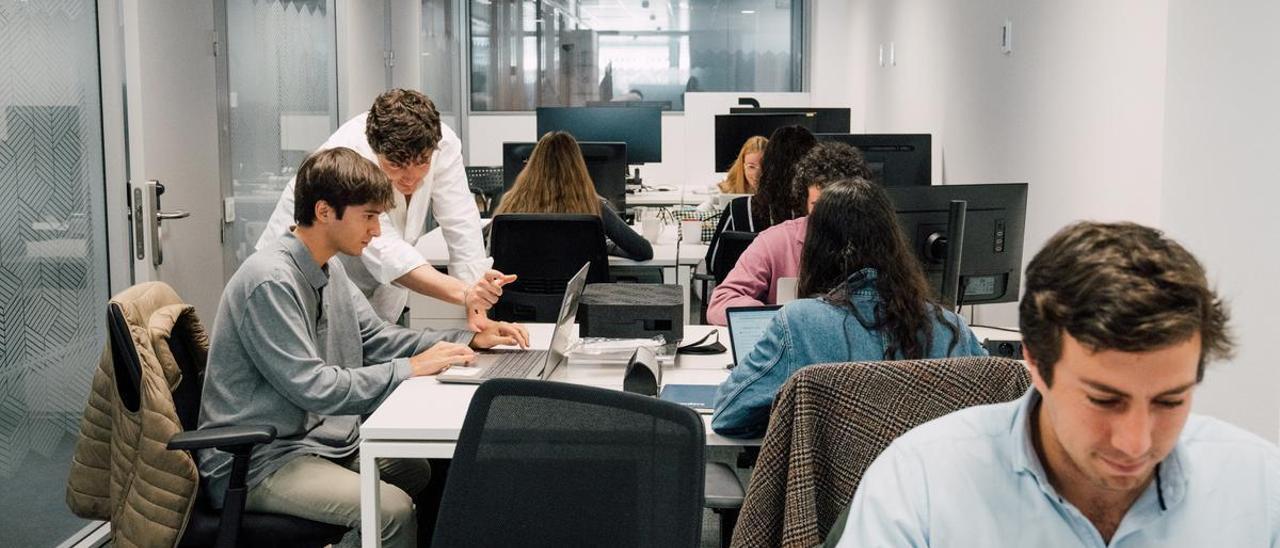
{"x":872,"y":303}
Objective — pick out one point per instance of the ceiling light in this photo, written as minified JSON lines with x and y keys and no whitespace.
{"x":748,"y":12}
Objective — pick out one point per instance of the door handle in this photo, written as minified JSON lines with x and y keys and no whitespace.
{"x":156,"y":188}
{"x":175,"y":214}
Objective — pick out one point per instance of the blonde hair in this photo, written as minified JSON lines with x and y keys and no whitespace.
{"x":554,"y":181}
{"x":736,"y":182}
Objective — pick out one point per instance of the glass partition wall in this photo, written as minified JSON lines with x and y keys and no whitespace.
{"x":53,"y":257}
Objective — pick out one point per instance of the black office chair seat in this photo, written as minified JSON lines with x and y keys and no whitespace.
{"x":282,"y":530}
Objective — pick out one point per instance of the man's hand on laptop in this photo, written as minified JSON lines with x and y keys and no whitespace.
{"x":497,"y":333}
{"x":479,"y":298}
{"x":439,"y":357}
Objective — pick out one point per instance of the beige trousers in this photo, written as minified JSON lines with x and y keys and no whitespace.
{"x":328,"y":491}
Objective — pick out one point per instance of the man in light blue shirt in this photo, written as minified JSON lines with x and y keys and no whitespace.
{"x":1118,"y":323}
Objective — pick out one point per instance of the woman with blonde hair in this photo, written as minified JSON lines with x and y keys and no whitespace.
{"x":745,"y":172}
{"x":556,"y":181}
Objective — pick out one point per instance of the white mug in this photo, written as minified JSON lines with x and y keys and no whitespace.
{"x":650,"y":228}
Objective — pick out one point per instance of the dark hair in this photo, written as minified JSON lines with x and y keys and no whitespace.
{"x":826,"y":162}
{"x":1118,"y":286}
{"x":773,"y":201}
{"x":403,"y":126}
{"x":339,"y":177}
{"x":852,"y":227}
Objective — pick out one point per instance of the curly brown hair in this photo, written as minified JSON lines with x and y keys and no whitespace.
{"x":403,"y":126}
{"x":1118,"y":286}
{"x":827,"y":162}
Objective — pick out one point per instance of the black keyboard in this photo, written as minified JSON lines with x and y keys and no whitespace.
{"x":514,"y":365}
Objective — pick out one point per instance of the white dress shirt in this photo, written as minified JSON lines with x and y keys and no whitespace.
{"x":444,"y":190}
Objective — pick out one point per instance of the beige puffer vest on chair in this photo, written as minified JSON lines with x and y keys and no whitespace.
{"x":121,"y":470}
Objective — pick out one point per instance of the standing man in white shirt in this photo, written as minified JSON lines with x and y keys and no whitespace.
{"x":403,"y":135}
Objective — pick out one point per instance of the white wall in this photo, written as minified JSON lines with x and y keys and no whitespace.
{"x":1076,"y":109}
{"x":1220,"y":190}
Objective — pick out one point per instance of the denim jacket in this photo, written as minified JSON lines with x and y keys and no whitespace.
{"x":813,"y":331}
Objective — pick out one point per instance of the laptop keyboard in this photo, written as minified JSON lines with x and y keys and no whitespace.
{"x":515,"y":365}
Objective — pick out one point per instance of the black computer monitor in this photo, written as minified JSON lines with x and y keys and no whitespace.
{"x":606,"y":164}
{"x":830,"y":120}
{"x":989,"y":264}
{"x":898,"y":159}
{"x":733,"y":130}
{"x":640,"y":128}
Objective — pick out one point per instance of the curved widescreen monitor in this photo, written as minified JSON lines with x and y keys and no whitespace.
{"x":640,"y":128}
{"x":896,"y":159}
{"x":606,"y":164}
{"x":991,"y":253}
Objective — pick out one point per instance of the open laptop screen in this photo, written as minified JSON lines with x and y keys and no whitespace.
{"x":746,"y":327}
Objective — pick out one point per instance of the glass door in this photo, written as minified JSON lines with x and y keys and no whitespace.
{"x":281,"y":103}
{"x":53,"y":256}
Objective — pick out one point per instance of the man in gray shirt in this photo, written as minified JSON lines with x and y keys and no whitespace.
{"x":296,"y":346}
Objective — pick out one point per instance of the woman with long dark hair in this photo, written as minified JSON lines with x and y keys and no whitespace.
{"x":774,"y":201}
{"x":868,"y":299}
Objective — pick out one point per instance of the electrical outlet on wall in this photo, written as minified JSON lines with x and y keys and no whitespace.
{"x":1006,"y":37}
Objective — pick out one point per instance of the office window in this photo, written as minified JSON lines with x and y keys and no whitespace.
{"x":531,"y":53}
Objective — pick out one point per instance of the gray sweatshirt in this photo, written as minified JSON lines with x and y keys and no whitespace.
{"x":298,"y":347}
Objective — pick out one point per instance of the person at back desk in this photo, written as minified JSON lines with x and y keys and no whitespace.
{"x":556,"y":181}
{"x":870,"y":301}
{"x":774,"y":200}
{"x":775,"y":253}
{"x":1118,"y":322}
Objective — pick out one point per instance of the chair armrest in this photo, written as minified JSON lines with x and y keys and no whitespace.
{"x":222,"y":437}
{"x":703,"y":277}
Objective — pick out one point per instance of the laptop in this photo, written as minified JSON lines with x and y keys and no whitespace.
{"x":746,"y":328}
{"x":527,"y":364}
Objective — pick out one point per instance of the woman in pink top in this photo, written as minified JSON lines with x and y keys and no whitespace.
{"x":775,"y":253}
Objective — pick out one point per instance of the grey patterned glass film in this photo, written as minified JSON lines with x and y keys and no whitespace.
{"x":282,"y":81}
{"x":53,"y":265}
{"x":530,"y":53}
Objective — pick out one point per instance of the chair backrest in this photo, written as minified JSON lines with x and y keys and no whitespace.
{"x":485,"y":180}
{"x":829,"y":422}
{"x":542,"y":463}
{"x":544,"y":250}
{"x":732,"y":244}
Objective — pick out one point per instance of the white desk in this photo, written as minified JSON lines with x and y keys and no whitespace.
{"x":677,"y":261}
{"x":657,"y":198}
{"x":423,"y":417}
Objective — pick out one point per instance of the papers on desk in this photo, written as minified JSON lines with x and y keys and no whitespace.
{"x":609,"y":351}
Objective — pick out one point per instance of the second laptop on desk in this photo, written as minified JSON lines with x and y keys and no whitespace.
{"x":527,"y":364}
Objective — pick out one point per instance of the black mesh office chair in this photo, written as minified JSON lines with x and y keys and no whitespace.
{"x":542,"y":463}
{"x":731,"y":246}
{"x":486,"y":183}
{"x":207,"y":526}
{"x":544,"y":250}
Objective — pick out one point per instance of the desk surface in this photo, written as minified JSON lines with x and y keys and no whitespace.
{"x":658,"y":198}
{"x":666,"y":252}
{"x":423,"y":409}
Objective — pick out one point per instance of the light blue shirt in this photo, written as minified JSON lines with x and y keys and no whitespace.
{"x":972,"y":478}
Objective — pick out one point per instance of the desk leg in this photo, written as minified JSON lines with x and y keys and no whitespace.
{"x":683,"y":274}
{"x":370,"y":525}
